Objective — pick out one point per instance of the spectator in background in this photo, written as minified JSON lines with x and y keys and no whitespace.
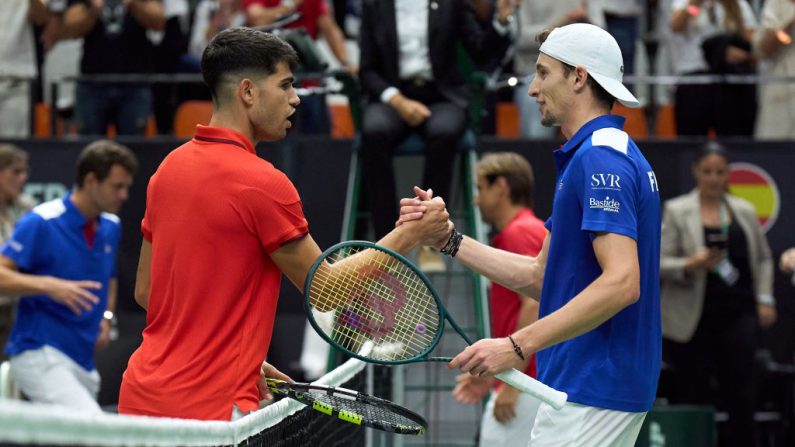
{"x":210,"y":18}
{"x":713,"y":37}
{"x":317,"y":20}
{"x":717,"y":283}
{"x":13,"y":205}
{"x":18,"y":67}
{"x":115,"y":42}
{"x":621,"y":18}
{"x":169,"y":46}
{"x":505,"y":198}
{"x":410,"y":76}
{"x":773,"y":45}
{"x":61,"y":260}
{"x":534,"y":17}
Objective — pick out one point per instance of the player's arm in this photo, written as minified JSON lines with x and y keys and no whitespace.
{"x":507,"y":396}
{"x":524,"y":274}
{"x":143,"y":275}
{"x":106,"y":324}
{"x":296,"y":257}
{"x":616,"y":288}
{"x":76,"y":295}
{"x":521,"y":273}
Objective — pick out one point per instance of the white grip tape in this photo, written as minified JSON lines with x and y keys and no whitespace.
{"x":533,"y":387}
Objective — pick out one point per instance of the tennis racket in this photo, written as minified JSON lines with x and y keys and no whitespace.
{"x":353,"y":407}
{"x":375,"y":305}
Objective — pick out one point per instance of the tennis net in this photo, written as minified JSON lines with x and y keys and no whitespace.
{"x":284,"y":423}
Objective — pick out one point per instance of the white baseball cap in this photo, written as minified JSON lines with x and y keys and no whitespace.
{"x":596,"y":50}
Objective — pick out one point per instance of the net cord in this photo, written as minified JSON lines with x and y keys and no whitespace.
{"x":33,"y":423}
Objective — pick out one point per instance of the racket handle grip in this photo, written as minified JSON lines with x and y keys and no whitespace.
{"x":533,"y":387}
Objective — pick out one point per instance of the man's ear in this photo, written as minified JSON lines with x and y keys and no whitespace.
{"x":502,"y":183}
{"x":247,"y":91}
{"x":580,"y":77}
{"x":90,"y":179}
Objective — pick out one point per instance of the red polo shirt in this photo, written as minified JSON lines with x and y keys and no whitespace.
{"x":524,"y":234}
{"x":214,"y":213}
{"x":311,"y":11}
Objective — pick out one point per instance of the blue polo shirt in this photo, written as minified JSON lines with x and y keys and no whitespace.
{"x":604,"y":185}
{"x":50,"y":241}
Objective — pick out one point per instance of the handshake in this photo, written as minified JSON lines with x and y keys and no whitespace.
{"x":426,"y":218}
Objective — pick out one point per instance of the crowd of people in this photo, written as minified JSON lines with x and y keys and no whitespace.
{"x":610,"y":274}
{"x":687,"y":38}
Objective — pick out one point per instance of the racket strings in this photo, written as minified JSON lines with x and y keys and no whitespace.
{"x":377,"y":298}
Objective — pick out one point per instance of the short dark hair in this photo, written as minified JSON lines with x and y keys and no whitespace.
{"x":516,"y":171}
{"x":100,"y":156}
{"x":599,"y":93}
{"x":712,"y":147}
{"x":244,"y":51}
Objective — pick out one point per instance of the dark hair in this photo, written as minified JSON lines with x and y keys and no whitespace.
{"x":10,"y":154}
{"x":516,"y":171}
{"x":243,"y":52}
{"x":100,"y":156}
{"x":711,"y":148}
{"x":599,"y":93}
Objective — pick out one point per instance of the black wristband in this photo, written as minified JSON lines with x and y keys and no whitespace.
{"x":453,"y":244}
{"x":516,"y":348}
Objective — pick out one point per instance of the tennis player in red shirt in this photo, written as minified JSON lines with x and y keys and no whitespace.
{"x":220,"y":228}
{"x":505,"y":198}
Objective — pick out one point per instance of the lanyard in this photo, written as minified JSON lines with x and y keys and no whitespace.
{"x":724,"y":220}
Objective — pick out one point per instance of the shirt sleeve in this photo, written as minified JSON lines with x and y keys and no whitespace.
{"x":609,"y":192}
{"x":273,"y":213}
{"x":21,"y":246}
{"x":146,"y":227}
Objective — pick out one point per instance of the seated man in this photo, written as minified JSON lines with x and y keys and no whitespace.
{"x":410,"y":76}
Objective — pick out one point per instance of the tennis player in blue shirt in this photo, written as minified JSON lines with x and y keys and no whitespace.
{"x":598,"y":337}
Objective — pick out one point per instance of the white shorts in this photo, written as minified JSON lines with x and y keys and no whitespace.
{"x":581,"y":426}
{"x":514,"y":433}
{"x":48,"y":375}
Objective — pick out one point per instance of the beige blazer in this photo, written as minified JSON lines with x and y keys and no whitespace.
{"x":681,"y":294}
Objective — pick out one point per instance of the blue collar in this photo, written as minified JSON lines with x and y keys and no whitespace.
{"x":600,"y":122}
{"x":73,"y":216}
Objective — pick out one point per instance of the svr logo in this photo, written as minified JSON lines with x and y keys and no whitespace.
{"x":605,"y":181}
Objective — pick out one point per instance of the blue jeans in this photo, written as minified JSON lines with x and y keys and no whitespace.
{"x":128,"y":106}
{"x":625,"y":31}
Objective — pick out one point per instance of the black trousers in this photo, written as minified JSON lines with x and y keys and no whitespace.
{"x":729,"y":109}
{"x":722,"y":350}
{"x":382,"y":131}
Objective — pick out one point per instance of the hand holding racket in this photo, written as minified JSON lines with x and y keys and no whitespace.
{"x":375,"y":305}
{"x":352,"y":406}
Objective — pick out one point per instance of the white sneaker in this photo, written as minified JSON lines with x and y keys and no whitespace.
{"x":430,"y":261}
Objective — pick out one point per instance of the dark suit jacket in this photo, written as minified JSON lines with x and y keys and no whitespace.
{"x":450,"y":22}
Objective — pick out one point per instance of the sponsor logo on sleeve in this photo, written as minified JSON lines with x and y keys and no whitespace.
{"x":606,"y":181}
{"x":653,"y":181}
{"x":608,"y":204}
